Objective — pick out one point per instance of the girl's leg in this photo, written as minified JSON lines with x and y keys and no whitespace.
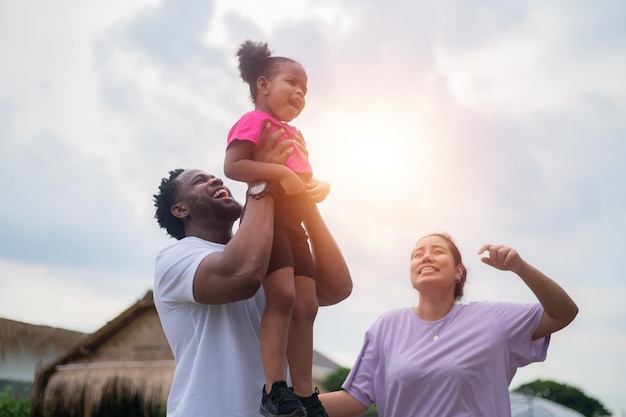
{"x":273,"y":334}
{"x":300,"y":343}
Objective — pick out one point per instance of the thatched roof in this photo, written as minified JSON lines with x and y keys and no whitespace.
{"x":16,"y":337}
{"x":127,"y":360}
{"x":80,"y":391}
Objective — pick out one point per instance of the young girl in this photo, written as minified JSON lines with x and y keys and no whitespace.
{"x":278,"y":86}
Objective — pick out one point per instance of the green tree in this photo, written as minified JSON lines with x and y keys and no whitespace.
{"x":566,"y":395}
{"x":334,"y":380}
{"x":10,"y":407}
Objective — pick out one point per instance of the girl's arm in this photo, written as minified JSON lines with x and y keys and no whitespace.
{"x":239,"y":166}
{"x":559,"y":308}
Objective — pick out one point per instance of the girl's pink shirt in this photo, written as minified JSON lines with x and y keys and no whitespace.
{"x":249,"y":128}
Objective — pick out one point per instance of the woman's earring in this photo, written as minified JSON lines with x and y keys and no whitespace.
{"x":458,"y":280}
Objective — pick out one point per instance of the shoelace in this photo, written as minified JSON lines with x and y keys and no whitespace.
{"x":284,"y":396}
{"x":316,"y":406}
{"x":318,"y":409}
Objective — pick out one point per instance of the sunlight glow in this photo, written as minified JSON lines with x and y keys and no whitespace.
{"x":371,"y":153}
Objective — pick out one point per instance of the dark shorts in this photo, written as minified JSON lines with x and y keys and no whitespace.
{"x":291,"y":248}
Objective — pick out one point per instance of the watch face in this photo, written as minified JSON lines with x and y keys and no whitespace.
{"x":258,"y":188}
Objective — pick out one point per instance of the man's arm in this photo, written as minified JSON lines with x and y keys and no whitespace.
{"x":236,"y":273}
{"x":333,"y":280}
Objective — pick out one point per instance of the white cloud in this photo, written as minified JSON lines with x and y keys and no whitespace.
{"x":497,"y":123}
{"x":283,"y":13}
{"x":526,"y":70}
{"x":30,"y":293}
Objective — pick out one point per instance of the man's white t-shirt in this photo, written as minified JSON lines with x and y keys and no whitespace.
{"x":216,"y":347}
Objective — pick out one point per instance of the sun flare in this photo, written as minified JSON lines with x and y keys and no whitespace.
{"x":370,"y":153}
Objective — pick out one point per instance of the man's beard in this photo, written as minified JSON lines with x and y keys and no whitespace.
{"x":214,"y":209}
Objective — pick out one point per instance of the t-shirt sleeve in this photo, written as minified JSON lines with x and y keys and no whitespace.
{"x":519,"y":322}
{"x":248,"y":128}
{"x":175,"y":270}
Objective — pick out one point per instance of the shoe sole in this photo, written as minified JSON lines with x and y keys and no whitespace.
{"x":296,"y":413}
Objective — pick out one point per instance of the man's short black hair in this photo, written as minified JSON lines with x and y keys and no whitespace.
{"x":163,"y":201}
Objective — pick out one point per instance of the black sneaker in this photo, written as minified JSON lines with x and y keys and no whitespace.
{"x":314,"y":407}
{"x":281,"y":402}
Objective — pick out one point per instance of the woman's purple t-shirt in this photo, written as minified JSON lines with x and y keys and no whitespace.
{"x":465,"y":372}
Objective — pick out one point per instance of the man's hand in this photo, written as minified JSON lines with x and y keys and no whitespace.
{"x":300,"y":143}
{"x":316,"y":191}
{"x":271,"y":152}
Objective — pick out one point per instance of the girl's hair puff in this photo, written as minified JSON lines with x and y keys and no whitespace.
{"x":256,"y":60}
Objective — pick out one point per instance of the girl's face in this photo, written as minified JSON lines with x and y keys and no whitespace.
{"x":433,"y":266}
{"x":283,"y":95}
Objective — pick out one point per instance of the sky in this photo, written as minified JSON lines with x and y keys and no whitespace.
{"x":495,"y":121}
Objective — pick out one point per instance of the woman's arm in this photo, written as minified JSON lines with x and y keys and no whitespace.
{"x":333,"y":280}
{"x":559,"y":308}
{"x":341,"y":404}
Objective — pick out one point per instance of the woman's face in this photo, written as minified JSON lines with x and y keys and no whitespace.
{"x":433,"y":267}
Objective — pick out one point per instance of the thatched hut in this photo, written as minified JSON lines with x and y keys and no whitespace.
{"x":25,"y":346}
{"x":124,"y":369}
{"x":17,"y":336}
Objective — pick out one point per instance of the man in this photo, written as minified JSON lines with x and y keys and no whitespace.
{"x":207,"y":287}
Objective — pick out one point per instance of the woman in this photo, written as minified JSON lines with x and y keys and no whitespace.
{"x":446,"y":359}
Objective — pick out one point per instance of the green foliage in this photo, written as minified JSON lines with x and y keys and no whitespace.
{"x":10,"y":407}
{"x":566,"y":395}
{"x":159,"y":410}
{"x":334,"y":380}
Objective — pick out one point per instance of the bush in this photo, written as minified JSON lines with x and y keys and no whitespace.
{"x":10,"y":407}
{"x":335,"y":379}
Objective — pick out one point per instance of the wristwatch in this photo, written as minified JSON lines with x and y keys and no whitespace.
{"x":258,"y":189}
